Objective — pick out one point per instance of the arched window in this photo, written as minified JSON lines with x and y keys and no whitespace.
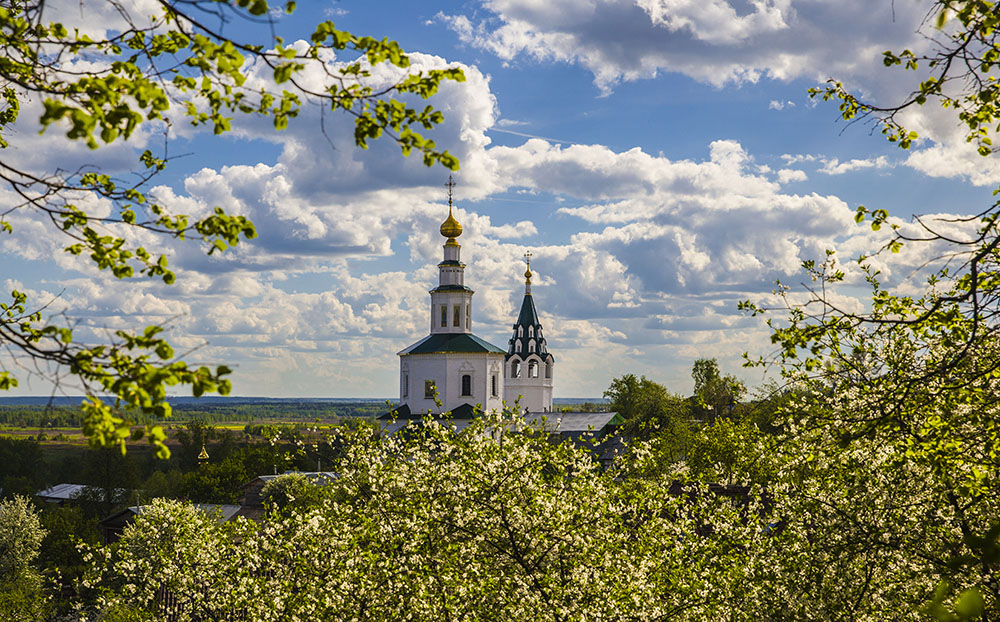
{"x":548,"y":370}
{"x":466,"y":384}
{"x":455,"y":320}
{"x":520,"y":331}
{"x":531,"y":331}
{"x":531,"y":346}
{"x":515,"y":369}
{"x":532,"y":369}
{"x":517,"y":346}
{"x":493,"y":386}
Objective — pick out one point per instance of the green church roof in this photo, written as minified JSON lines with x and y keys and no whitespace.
{"x":528,"y":316}
{"x":451,"y":342}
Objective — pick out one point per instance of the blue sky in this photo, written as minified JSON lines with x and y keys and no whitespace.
{"x":660,"y":158}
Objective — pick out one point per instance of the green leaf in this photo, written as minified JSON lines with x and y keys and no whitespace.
{"x":969,"y":604}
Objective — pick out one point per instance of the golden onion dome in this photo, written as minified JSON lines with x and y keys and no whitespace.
{"x":451,"y":227}
{"x":527,"y":274}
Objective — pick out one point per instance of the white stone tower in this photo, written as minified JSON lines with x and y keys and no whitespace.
{"x":528,"y":365}
{"x":458,"y":368}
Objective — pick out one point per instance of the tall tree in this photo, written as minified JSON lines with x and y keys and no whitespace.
{"x":717,"y":395}
{"x":894,"y":440}
{"x":649,"y":409}
{"x":21,"y":535}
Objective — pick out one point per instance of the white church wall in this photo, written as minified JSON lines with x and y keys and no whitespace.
{"x":446,"y":371}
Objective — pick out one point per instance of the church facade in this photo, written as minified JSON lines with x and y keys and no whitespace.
{"x":453,"y":370}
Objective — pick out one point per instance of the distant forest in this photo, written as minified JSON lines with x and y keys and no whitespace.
{"x":42,"y":416}
{"x":37,"y":413}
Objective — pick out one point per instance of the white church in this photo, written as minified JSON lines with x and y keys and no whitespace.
{"x":453,"y":370}
{"x":453,"y":373}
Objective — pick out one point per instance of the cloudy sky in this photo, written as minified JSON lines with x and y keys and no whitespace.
{"x":660,"y":158}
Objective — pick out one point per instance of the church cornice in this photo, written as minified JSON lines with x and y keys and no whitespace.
{"x":452,"y":288}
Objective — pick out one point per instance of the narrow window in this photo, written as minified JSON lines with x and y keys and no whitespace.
{"x":429,"y":389}
{"x":515,"y":369}
{"x":466,"y":384}
{"x":520,"y":331}
{"x":531,"y":346}
{"x":468,"y":317}
{"x":406,"y":385}
{"x":493,"y":385}
{"x":532,"y":369}
{"x":444,"y":315}
{"x":531,"y":331}
{"x":548,"y":370}
{"x":517,"y":346}
{"x":455,"y":318}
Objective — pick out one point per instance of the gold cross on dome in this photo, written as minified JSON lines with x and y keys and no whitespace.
{"x":527,"y":258}
{"x":451,"y":184}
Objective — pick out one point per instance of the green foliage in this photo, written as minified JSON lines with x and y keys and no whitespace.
{"x":292,"y":491}
{"x":960,"y":73}
{"x":66,"y":527}
{"x":729,"y":451}
{"x":21,"y":534}
{"x":21,"y":600}
{"x":648,"y":409}
{"x":494,"y":522}
{"x":716,"y":395}
{"x":157,"y":67}
{"x":21,"y":460}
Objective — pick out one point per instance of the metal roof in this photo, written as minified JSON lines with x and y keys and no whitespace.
{"x":225,"y":512}
{"x":451,"y":342}
{"x":572,"y":422}
{"x":554,"y":422}
{"x":62,"y":492}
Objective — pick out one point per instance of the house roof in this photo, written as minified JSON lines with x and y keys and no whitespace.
{"x":61,"y":492}
{"x":571,"y":423}
{"x":225,"y":513}
{"x":451,"y":342}
{"x":70,"y":492}
{"x":403,"y":413}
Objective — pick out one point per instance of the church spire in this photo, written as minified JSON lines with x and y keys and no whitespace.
{"x":527,"y":274}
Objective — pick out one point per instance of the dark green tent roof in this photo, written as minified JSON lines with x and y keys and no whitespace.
{"x":528,"y":319}
{"x":528,"y":316}
{"x":451,"y":342}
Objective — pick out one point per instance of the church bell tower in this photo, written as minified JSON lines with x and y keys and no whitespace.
{"x":528,"y":363}
{"x":450,"y":370}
